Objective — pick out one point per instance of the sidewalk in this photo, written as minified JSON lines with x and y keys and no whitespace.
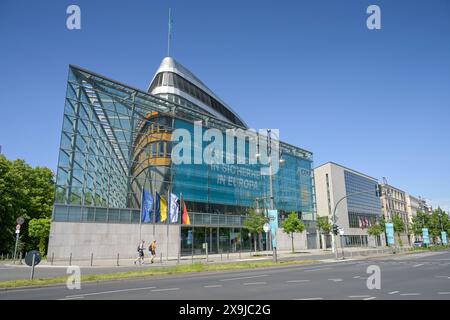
{"x":313,"y":254}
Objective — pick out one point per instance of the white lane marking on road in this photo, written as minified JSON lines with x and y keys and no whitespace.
{"x":213,"y":286}
{"x":292,"y":281}
{"x":249,"y":277}
{"x":370,"y":298}
{"x":167,"y":289}
{"x":253,"y":283}
{"x":443,"y":292}
{"x":393,"y":292}
{"x":443,"y":277}
{"x":318,"y":298}
{"x":356,"y":277}
{"x":418,"y":265}
{"x":336,"y":280}
{"x":361,"y":296}
{"x":106,"y":292}
{"x":252,"y":259}
{"x":318,"y":269}
{"x":72,"y":298}
{"x":410,"y":294}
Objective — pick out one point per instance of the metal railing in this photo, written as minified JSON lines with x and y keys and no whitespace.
{"x":76,"y":213}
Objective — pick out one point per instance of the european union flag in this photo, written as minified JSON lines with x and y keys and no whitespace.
{"x":147,"y":206}
{"x":157,"y":208}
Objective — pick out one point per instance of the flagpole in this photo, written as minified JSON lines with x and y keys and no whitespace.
{"x":180,"y":217}
{"x":169,"y":200}
{"x":154,"y":204}
{"x":140,"y":214}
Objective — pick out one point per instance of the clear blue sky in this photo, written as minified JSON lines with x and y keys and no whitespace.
{"x":375,"y":101}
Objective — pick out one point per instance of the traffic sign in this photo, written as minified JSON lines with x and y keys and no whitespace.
{"x":20,"y":220}
{"x":266,"y":227}
{"x":341,"y":232}
{"x":18,"y":228}
{"x":29,"y":258}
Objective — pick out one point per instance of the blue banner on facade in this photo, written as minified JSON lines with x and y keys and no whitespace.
{"x":425,"y":236}
{"x":273,"y":222}
{"x":444,"y":238}
{"x":189,"y":237}
{"x":390,"y":233}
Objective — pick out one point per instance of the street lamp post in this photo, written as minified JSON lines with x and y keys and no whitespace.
{"x":271,"y":197}
{"x":269,"y":153}
{"x":334,"y":215}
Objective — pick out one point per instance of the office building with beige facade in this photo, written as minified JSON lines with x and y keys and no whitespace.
{"x":352,"y":196}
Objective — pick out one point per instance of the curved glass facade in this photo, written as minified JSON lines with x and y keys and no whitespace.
{"x":172,"y":79}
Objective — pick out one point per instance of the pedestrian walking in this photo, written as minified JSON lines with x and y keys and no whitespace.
{"x":140,"y":252}
{"x":152,"y":250}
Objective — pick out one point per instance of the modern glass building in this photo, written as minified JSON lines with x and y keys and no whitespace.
{"x":116,"y":141}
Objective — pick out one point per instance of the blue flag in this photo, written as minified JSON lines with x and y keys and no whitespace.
{"x":147,"y":206}
{"x":157,"y":208}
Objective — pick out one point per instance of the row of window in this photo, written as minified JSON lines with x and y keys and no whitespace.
{"x":174,"y":80}
{"x":355,"y":241}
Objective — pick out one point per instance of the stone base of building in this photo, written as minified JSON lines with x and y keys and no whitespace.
{"x":106,"y":240}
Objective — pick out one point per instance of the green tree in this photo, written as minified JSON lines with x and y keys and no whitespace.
{"x":419,"y":221}
{"x":291,"y":225}
{"x":24,"y":192}
{"x":438,"y":221}
{"x":375,"y":230}
{"x":255,"y":224}
{"x":40,"y":229}
{"x":382,"y":224}
{"x":399,"y":227}
{"x":323,"y":226}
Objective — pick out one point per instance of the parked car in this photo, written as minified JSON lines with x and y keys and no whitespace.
{"x":418,"y":244}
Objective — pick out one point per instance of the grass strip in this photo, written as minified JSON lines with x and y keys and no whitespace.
{"x":153,"y":271}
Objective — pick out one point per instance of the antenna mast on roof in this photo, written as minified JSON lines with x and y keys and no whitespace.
{"x":169,"y":35}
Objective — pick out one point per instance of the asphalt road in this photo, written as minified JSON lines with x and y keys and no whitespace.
{"x":417,"y":276}
{"x":19,"y":272}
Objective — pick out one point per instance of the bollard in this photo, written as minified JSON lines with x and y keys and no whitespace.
{"x":70,"y":259}
{"x":228,"y":254}
{"x":239,"y":254}
{"x":92,"y":258}
{"x":220,"y":255}
{"x":160,"y":260}
{"x":117,"y":259}
{"x":53,"y":257}
{"x":192,"y":257}
{"x":32,"y":268}
{"x":178,"y":262}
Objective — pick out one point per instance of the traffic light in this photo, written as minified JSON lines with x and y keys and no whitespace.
{"x":335,"y":229}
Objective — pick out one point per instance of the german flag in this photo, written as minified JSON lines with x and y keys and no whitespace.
{"x":186,"y":219}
